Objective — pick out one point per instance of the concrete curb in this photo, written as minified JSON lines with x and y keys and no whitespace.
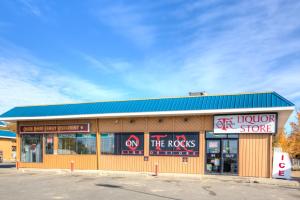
{"x":278,"y":182}
{"x":267,"y":181}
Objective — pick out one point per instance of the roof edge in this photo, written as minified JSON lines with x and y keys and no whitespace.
{"x":142,"y":99}
{"x":283,"y":98}
{"x":159,"y":113}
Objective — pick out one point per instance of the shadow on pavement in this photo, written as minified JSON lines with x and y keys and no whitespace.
{"x":136,"y":191}
{"x":7,"y":165}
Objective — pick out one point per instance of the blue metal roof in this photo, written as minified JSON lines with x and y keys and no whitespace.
{"x":7,"y":134}
{"x":232,"y":101}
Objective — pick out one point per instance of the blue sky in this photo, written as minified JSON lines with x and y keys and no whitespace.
{"x":75,"y":51}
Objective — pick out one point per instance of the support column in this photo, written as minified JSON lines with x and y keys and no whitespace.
{"x":146,"y":144}
{"x":202,"y":144}
{"x":98,"y":144}
{"x":271,"y":156}
{"x":18,"y":144}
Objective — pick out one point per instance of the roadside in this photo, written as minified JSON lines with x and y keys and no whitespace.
{"x":296,"y":175}
{"x":267,"y":181}
{"x":7,"y":165}
{"x":48,"y":185}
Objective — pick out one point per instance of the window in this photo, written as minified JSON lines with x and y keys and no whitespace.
{"x":213,"y":146}
{"x":31,"y":148}
{"x":49,"y":144}
{"x":109,"y":143}
{"x":13,"y":148}
{"x":174,"y":144}
{"x":212,"y":135}
{"x":122,"y":143}
{"x":86,"y":143}
{"x":76,"y":144}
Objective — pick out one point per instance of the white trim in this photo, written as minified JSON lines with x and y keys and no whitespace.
{"x":7,"y":137}
{"x":159,"y":113}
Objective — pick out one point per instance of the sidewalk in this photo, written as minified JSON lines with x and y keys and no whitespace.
{"x":238,"y":179}
{"x":296,"y":175}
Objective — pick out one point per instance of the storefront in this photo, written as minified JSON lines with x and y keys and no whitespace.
{"x":222,"y":153}
{"x":218,"y":134}
{"x":7,"y":146}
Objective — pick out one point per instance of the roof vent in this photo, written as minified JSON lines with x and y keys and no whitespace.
{"x":203,"y":93}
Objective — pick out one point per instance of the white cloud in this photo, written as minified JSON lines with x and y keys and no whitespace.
{"x":128,"y":21}
{"x":31,"y":7}
{"x":247,"y":46}
{"x":26,"y":81}
{"x":106,"y":65}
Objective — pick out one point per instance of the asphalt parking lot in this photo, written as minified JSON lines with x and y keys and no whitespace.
{"x":44,"y":185}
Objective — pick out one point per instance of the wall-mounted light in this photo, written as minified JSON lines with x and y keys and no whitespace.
{"x":132,"y":121}
{"x":160,"y":120}
{"x":185,"y":119}
{"x":116,"y":121}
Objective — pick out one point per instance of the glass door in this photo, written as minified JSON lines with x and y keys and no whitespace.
{"x":229,"y":156}
{"x":221,"y":153}
{"x":213,"y":156}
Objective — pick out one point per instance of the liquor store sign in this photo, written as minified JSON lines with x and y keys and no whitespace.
{"x":251,"y":123}
{"x":62,"y":128}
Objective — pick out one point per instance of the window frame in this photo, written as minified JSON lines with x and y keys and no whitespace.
{"x":76,"y":138}
{"x":46,"y":143}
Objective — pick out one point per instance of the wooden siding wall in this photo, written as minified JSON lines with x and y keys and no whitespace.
{"x":6,"y":145}
{"x":88,"y":162}
{"x":166,"y":164}
{"x":129,"y":163}
{"x":254,"y":155}
{"x":254,"y":149}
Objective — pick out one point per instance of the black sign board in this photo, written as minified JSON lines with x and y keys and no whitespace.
{"x":132,"y":143}
{"x":174,"y":144}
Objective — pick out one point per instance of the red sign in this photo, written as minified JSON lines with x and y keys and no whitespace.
{"x":174,"y":144}
{"x":251,"y":123}
{"x":132,"y":143}
{"x":65,"y":128}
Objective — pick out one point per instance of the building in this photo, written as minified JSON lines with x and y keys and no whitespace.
{"x":7,"y":145}
{"x":207,"y":134}
{"x":2,"y":124}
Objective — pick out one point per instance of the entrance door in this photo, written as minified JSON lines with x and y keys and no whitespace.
{"x":221,"y":154}
{"x":213,"y":156}
{"x":229,"y":156}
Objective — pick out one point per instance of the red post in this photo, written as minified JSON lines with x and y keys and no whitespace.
{"x":72,"y":166}
{"x":156,"y":169}
{"x":17,"y":165}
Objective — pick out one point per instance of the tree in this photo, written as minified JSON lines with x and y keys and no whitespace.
{"x":281,"y":140}
{"x":293,"y":140}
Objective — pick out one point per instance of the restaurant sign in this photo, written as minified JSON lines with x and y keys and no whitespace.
{"x":174,"y":144}
{"x":61,"y":128}
{"x":251,"y":123}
